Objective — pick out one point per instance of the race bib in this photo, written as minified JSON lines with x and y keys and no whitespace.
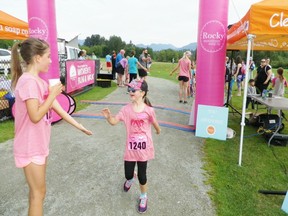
{"x":137,"y":142}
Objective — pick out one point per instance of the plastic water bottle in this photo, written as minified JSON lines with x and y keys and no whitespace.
{"x":264,"y":94}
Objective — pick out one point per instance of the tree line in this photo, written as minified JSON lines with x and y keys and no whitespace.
{"x":101,"y":46}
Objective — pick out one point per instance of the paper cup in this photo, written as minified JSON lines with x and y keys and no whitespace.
{"x":53,"y":82}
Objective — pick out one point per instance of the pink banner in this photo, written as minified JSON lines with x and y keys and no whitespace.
{"x":211,"y":53}
{"x":42,"y":24}
{"x":79,"y":74}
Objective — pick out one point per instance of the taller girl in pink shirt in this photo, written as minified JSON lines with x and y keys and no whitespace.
{"x":138,"y":118}
{"x":184,"y":75}
{"x":33,"y":104}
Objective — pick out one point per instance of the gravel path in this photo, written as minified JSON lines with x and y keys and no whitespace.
{"x":85,"y":175}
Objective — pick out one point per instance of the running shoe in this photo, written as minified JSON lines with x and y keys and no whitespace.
{"x":142,"y":204}
{"x":128,"y":184}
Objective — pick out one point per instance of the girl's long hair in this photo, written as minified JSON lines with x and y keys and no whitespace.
{"x":280,"y":71}
{"x":144,"y":87}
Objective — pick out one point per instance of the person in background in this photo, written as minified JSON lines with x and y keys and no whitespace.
{"x":34,"y":101}
{"x":149,"y":63}
{"x":251,"y":90}
{"x":119,"y":68}
{"x":251,"y":67}
{"x":238,"y":74}
{"x":81,"y":55}
{"x":184,"y":75}
{"x":122,"y":69}
{"x":132,"y":66}
{"x":126,"y":73}
{"x":268,"y":63}
{"x":113,"y":60}
{"x":138,"y":117}
{"x":231,"y":65}
{"x":263,"y":76}
{"x":84,"y":53}
{"x":94,"y":57}
{"x":279,"y":83}
{"x":192,"y":87}
{"x":144,"y":60}
{"x":108,"y":63}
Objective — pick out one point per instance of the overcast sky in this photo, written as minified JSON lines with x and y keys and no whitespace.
{"x":146,"y":22}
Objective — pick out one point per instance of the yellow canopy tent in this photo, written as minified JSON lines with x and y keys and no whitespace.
{"x":12,"y":28}
{"x":264,"y":27}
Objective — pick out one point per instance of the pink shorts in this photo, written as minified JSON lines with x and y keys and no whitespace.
{"x":24,"y":161}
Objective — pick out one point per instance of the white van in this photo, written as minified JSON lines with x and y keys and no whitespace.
{"x":71,"y":52}
{"x":5,"y":58}
{"x":65,"y":51}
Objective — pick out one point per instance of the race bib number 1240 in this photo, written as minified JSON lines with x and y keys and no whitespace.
{"x":137,"y":142}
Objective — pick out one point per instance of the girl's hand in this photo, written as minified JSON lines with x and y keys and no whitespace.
{"x":158,"y":131}
{"x":106,"y":113}
{"x":55,"y":90}
{"x":84,"y":130}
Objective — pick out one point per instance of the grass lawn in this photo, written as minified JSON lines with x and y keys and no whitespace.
{"x":234,"y":189}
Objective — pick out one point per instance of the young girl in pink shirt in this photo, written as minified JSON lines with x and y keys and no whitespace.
{"x":33,"y":104}
{"x":138,"y":117}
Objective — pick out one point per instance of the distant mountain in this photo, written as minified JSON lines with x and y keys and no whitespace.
{"x":81,"y":42}
{"x":191,"y":46}
{"x":159,"y":47}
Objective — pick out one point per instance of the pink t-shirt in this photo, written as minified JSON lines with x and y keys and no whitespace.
{"x":139,"y":143}
{"x":184,"y":67}
{"x":30,"y":139}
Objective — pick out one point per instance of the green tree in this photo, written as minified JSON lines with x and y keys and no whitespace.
{"x":94,"y":40}
{"x":115,"y":43}
{"x":4,"y":44}
{"x":98,"y":50}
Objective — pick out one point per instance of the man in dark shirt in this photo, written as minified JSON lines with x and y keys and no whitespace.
{"x":263,"y":76}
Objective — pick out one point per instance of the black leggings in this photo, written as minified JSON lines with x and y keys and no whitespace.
{"x":129,"y":170}
{"x":132,"y":76}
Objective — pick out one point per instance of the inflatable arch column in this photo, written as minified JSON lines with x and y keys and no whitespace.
{"x":42,"y":24}
{"x":211,"y":53}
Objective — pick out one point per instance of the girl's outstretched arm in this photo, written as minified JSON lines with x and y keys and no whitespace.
{"x":176,"y":68}
{"x":107,"y":114}
{"x":59,"y":110}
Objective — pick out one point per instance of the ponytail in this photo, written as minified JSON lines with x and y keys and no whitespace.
{"x":16,"y":69}
{"x":186,"y":55}
{"x":144,"y":88}
{"x":280,"y":71}
{"x":146,"y":101}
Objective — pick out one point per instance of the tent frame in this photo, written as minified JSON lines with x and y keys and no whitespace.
{"x":250,"y":38}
